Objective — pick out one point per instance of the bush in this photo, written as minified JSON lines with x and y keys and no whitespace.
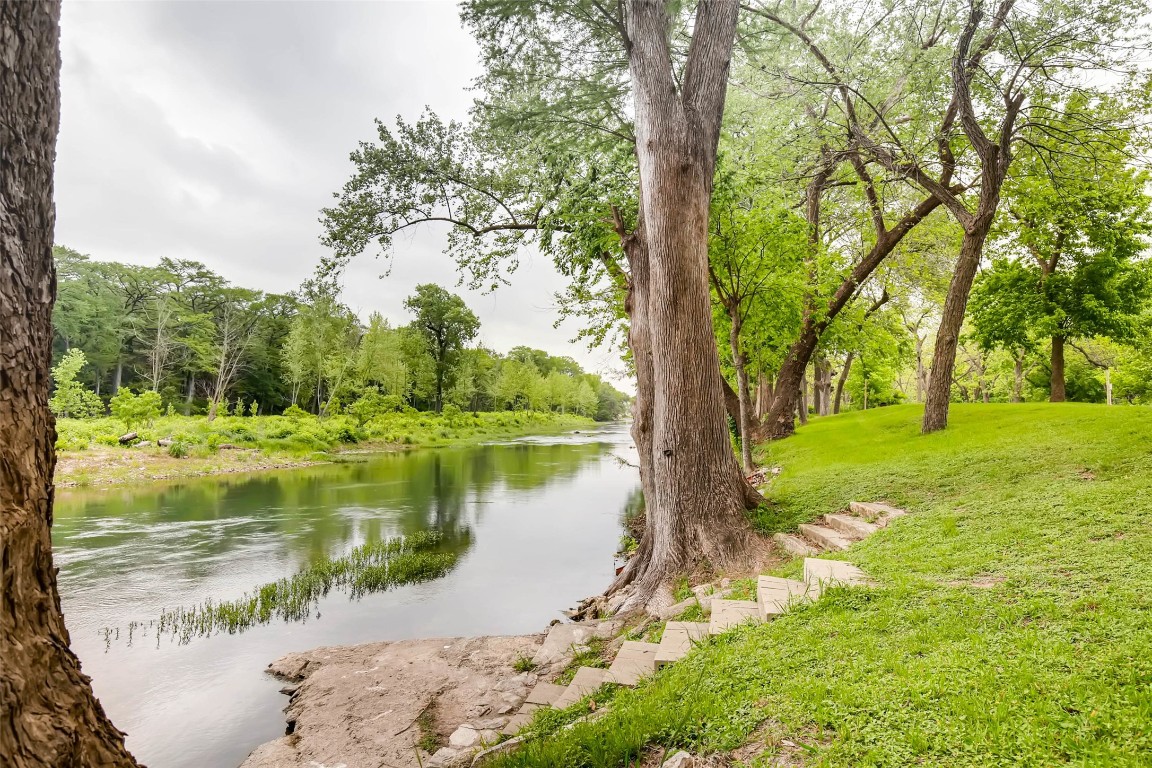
{"x":177,"y":450}
{"x":135,"y":410}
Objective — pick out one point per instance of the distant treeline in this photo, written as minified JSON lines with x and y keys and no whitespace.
{"x":182,"y":331}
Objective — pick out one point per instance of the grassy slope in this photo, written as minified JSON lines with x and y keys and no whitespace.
{"x":1049,"y":665}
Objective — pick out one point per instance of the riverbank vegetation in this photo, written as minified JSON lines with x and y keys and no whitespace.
{"x":377,"y":566}
{"x":188,"y":342}
{"x":1011,"y":624}
{"x":164,"y":447}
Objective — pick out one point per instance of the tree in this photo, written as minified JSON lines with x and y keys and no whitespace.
{"x":71,"y":398}
{"x":133,"y":409}
{"x":1078,"y":229}
{"x":48,"y":713}
{"x":695,"y":494}
{"x":446,"y":325}
{"x":235,"y":322}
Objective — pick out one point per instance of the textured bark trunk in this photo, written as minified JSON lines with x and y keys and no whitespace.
{"x":802,"y":399}
{"x":118,"y":376}
{"x":189,"y":394}
{"x":48,"y":714}
{"x":947,"y":338}
{"x":921,"y":373}
{"x":1018,"y":379}
{"x":744,"y":397}
{"x":842,"y":381}
{"x":1108,"y":386}
{"x":1057,"y":395}
{"x":697,"y":496}
{"x":763,"y":395}
{"x":822,"y":393}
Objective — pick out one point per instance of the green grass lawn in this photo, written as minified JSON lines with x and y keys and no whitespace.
{"x":1013,"y":625}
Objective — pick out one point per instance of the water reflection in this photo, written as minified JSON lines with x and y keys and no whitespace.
{"x":544,"y":516}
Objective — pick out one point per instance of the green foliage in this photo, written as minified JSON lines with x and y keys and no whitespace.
{"x":371,"y":405}
{"x":69,"y":396}
{"x":135,"y":410}
{"x":445,"y":325}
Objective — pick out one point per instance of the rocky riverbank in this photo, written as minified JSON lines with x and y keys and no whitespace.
{"x":410,"y":703}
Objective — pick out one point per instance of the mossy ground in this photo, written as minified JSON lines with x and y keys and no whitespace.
{"x":1012,"y":627}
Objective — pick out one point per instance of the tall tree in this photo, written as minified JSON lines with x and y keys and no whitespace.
{"x":48,"y":713}
{"x":695,"y":494}
{"x":446,"y":324}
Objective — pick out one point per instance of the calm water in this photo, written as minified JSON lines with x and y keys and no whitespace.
{"x":543,"y":516}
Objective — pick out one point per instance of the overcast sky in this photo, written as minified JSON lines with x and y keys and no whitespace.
{"x":216,"y":131}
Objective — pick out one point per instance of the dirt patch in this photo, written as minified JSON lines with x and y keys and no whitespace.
{"x":979,"y":582}
{"x":384,"y":704}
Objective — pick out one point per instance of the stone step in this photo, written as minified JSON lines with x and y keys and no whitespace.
{"x":825,"y":537}
{"x":677,"y":640}
{"x":543,"y":694}
{"x":852,"y":527}
{"x":633,"y":661}
{"x":520,"y":719}
{"x":875,"y":512}
{"x":777,"y":595}
{"x":731,"y":613}
{"x":793,"y":545}
{"x":586,"y":681}
{"x":827,"y":572}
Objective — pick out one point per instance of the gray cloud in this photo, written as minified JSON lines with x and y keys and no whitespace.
{"x":217,"y":132}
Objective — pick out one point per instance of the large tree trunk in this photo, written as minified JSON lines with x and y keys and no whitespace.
{"x":1018,"y":378}
{"x":842,"y":381}
{"x":118,"y":377}
{"x":744,"y":406}
{"x":1057,"y":395}
{"x":48,"y":714}
{"x":948,"y":336}
{"x":697,"y":497}
{"x":921,"y":372}
{"x":802,"y":399}
{"x":763,"y":395}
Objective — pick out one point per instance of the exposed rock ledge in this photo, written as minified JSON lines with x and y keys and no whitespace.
{"x":359,"y":706}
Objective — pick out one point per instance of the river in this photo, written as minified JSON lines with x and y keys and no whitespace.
{"x":536,"y":519}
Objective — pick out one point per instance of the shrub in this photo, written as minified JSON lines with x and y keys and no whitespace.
{"x":71,"y":398}
{"x":177,"y":450}
{"x":133,"y":409}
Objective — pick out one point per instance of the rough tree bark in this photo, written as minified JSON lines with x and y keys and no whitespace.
{"x":948,"y":336}
{"x":1058,"y":394}
{"x":995,"y":157}
{"x":48,"y":714}
{"x":840,"y":382}
{"x":744,"y":396}
{"x":696,"y":496}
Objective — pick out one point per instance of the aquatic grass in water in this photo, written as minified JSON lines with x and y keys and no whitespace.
{"x":373,"y":567}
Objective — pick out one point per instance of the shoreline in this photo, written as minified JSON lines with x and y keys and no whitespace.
{"x":411,"y":703}
{"x":100,"y":467}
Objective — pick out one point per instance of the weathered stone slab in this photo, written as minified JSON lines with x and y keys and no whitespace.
{"x":544,"y":694}
{"x":828,"y":572}
{"x":794,"y":545}
{"x":633,"y":661}
{"x":852,"y":527}
{"x":730,"y":613}
{"x":586,"y":681}
{"x":677,"y":640}
{"x":776,"y":595}
{"x":560,"y":639}
{"x":875,"y":512}
{"x":824,"y":537}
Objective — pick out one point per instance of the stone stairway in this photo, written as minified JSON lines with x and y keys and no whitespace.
{"x":774,"y":597}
